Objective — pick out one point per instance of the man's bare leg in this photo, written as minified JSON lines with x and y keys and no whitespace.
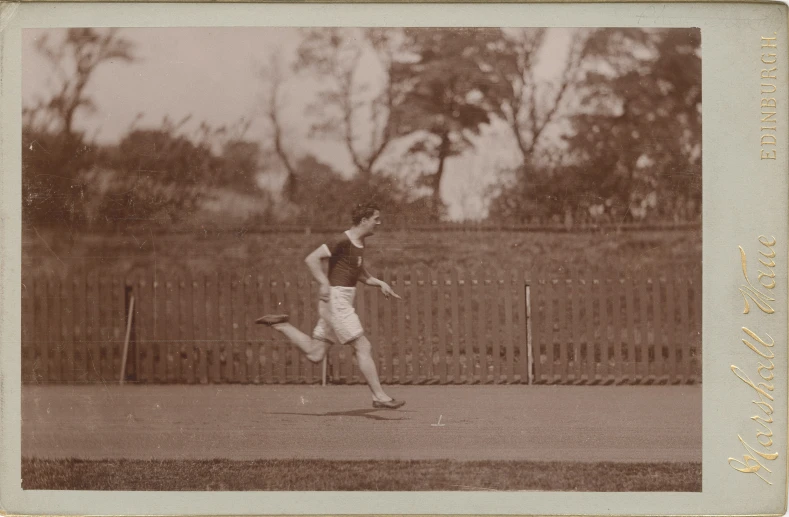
{"x":314,"y":349}
{"x":364,"y":356}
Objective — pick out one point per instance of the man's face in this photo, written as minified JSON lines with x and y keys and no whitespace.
{"x":369,"y":224}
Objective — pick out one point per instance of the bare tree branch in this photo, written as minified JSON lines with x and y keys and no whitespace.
{"x":528,"y":117}
{"x":336,"y":54}
{"x":88,"y":49}
{"x":274,"y":76}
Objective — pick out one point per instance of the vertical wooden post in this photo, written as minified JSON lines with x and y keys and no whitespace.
{"x":536,"y":322}
{"x":130,"y":313}
{"x":125,"y":354}
{"x":529,"y":342}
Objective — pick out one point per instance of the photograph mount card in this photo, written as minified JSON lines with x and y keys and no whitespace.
{"x":521,"y":259}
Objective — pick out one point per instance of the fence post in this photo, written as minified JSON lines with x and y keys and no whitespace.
{"x":529,"y":351}
{"x":126,"y":341}
{"x":130,"y":305}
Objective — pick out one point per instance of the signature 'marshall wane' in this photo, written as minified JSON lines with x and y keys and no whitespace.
{"x":759,"y":448}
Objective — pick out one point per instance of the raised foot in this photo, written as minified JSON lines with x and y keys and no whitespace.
{"x":272,"y":319}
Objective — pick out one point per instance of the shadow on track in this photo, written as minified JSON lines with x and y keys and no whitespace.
{"x":362,"y":413}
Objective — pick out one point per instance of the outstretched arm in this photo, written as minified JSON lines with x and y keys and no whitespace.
{"x":369,"y":279}
{"x":366,"y":278}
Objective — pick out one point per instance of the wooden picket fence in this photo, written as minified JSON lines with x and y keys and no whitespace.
{"x":637,"y":327}
{"x":451,"y":327}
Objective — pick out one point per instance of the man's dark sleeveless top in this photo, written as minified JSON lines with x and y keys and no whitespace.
{"x":345,"y":263}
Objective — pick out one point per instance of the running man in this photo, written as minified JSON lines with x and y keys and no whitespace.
{"x":338,"y":321}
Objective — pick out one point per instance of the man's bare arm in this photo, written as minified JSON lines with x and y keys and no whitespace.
{"x":369,"y":279}
{"x":317,"y":262}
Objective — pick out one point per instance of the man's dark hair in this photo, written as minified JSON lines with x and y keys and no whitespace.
{"x":363,"y":211}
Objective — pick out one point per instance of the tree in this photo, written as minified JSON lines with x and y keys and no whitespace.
{"x":54,"y":151}
{"x":640,"y":138}
{"x":349,"y":108}
{"x":634,"y":141}
{"x":240,"y":165}
{"x":153,"y":174}
{"x":274,"y":76}
{"x":232,"y":161}
{"x":327,"y":196}
{"x":445,"y":91}
{"x":531,"y":105}
{"x":164,"y":174}
{"x":75,"y":61}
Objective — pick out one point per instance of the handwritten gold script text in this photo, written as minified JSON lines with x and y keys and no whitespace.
{"x":755,"y":457}
{"x":765,"y":280}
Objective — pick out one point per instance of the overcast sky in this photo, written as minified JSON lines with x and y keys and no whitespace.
{"x":213,"y":75}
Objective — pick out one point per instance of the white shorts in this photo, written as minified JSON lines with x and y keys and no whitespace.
{"x":338,"y":321}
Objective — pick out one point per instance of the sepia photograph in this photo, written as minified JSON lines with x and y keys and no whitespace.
{"x":389,"y":259}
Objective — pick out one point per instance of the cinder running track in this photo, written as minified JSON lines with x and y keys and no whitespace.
{"x":545,"y":423}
